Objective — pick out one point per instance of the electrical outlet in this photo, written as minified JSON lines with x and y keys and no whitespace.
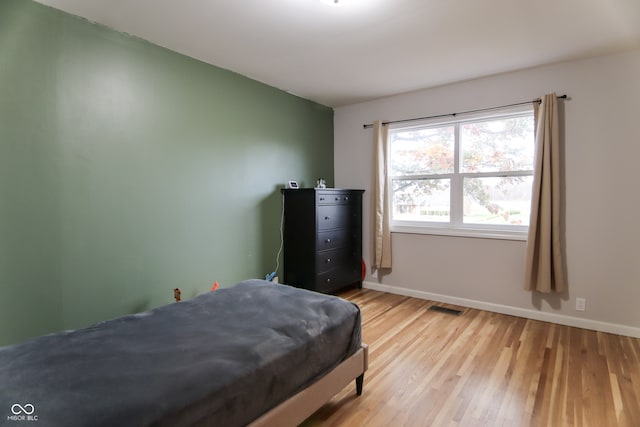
{"x":581,"y":304}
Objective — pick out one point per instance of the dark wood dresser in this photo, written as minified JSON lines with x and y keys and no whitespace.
{"x":322,"y":238}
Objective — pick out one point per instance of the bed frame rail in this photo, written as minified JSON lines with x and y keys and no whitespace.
{"x":302,"y":405}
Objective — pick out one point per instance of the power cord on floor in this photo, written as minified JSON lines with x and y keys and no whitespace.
{"x":273,"y":274}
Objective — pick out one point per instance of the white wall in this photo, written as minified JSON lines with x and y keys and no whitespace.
{"x":602,"y":167}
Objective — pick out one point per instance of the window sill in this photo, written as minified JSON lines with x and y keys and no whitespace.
{"x":478,"y":233}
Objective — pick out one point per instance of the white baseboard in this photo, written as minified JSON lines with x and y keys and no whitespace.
{"x":560,"y":319}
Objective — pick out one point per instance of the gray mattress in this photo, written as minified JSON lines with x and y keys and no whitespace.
{"x":222,"y":358}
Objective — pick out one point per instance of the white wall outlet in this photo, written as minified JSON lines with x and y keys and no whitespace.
{"x":581,"y":304}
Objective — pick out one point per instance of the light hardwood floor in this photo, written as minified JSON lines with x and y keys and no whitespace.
{"x":428,"y":368}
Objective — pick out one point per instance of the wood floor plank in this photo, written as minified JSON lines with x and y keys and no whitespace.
{"x":429,"y":368}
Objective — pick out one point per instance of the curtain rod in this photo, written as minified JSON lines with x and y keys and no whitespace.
{"x":370,"y":125}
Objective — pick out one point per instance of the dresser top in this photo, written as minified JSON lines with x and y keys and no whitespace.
{"x":321,"y":189}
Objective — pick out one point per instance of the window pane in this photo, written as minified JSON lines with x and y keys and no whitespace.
{"x":505,"y":200}
{"x":422,"y":152}
{"x":421,"y":200}
{"x":501,"y":145}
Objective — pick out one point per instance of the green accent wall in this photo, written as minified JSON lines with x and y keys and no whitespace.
{"x":127,"y":170}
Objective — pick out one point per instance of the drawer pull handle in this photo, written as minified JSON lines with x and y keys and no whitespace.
{"x":328,"y":280}
{"x":328,"y":260}
{"x":346,"y":197}
{"x":328,"y":240}
{"x":327,"y":218}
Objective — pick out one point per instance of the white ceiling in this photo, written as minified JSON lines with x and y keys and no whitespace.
{"x":367,"y":49}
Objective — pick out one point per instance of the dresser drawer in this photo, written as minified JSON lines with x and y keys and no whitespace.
{"x":333,"y":239}
{"x":333,"y":259}
{"x":334,"y":198}
{"x":334,"y":216}
{"x":335,"y":279}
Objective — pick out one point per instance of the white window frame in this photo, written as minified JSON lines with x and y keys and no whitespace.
{"x":456,"y":227}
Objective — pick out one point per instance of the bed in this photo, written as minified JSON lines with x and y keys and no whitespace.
{"x":256,"y":354}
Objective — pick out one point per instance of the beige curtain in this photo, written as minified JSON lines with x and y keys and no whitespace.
{"x":381,"y":210}
{"x":544,"y":267}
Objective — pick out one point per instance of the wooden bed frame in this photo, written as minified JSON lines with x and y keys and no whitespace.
{"x":302,"y":405}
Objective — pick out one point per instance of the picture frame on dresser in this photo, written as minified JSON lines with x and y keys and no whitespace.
{"x":322,"y":238}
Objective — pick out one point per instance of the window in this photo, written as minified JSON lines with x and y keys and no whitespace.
{"x":469,"y":176}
